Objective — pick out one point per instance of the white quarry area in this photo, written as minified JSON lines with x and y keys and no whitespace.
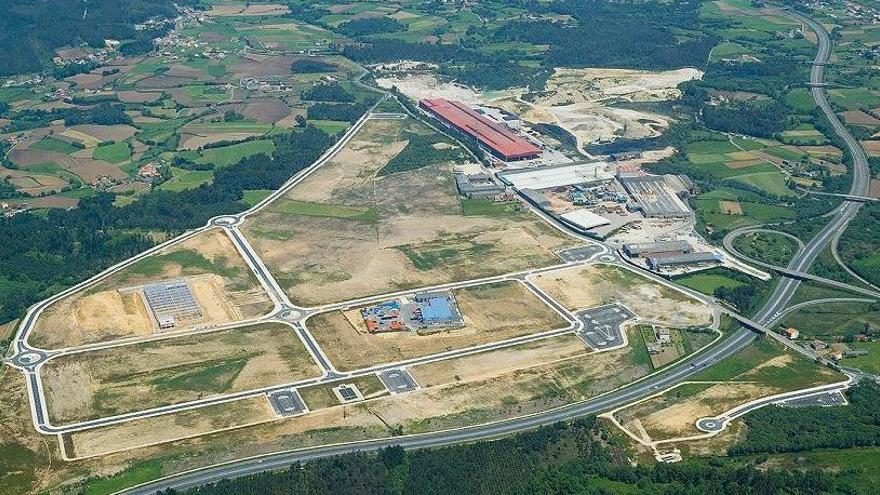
{"x":578,"y":100}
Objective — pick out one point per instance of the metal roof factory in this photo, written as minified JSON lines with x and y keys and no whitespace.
{"x":558,"y":176}
{"x":500,"y":140}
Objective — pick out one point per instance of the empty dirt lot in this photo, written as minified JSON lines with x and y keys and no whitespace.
{"x":584,"y":287}
{"x":491,"y":313}
{"x":223,"y":285}
{"x":346,"y":232}
{"x":148,"y":431}
{"x":142,"y":376}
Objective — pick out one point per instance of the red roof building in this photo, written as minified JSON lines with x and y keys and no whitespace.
{"x":498,"y":138}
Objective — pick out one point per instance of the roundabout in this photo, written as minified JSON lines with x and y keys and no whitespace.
{"x":28,"y":359}
{"x":225,"y":221}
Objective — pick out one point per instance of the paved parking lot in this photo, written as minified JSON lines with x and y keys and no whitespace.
{"x":580,"y":253}
{"x":287,"y":402}
{"x":602,"y":325}
{"x":398,"y":381}
{"x":834,"y":398}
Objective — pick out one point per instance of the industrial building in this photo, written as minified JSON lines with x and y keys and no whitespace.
{"x":478,"y":186}
{"x":653,"y":197}
{"x":497,"y":138}
{"x":657,"y":249}
{"x":171,"y":302}
{"x":427,"y":311}
{"x":539,"y":178}
{"x":584,"y":219}
{"x":658,"y":262}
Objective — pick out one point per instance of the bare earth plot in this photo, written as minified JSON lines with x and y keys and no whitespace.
{"x":141,"y":376}
{"x":594,"y":285}
{"x":491,"y":313}
{"x":147,"y":431}
{"x":762,"y":370}
{"x":221,"y":282}
{"x":346,"y":232}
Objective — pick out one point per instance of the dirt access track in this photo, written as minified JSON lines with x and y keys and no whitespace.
{"x":114,"y":308}
{"x":346,"y":232}
{"x":491,"y":313}
{"x":579,"y":288}
{"x":130,"y":378}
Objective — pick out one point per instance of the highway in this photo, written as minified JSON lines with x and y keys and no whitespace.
{"x":736,"y":341}
{"x":788,"y":272}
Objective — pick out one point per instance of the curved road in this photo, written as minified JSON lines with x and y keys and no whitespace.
{"x":735,"y":342}
{"x":728,"y":245}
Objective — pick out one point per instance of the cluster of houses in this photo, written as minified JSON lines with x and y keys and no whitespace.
{"x":835,"y":351}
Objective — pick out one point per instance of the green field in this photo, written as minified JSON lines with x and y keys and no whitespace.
{"x":135,"y":474}
{"x":488,"y":208}
{"x":772,"y":183}
{"x":854,"y":99}
{"x":834,"y":319}
{"x":767,"y":247}
{"x":159,"y":131}
{"x":708,"y":280}
{"x":190,"y":262}
{"x":728,"y":49}
{"x":803,"y":135}
{"x":798,"y":373}
{"x":113,"y":153}
{"x":186,"y":179}
{"x":235,"y":126}
{"x":203,"y":93}
{"x":254,"y":196}
{"x":330,"y":126}
{"x":56,"y":145}
{"x":800,"y":100}
{"x":357,"y":213}
{"x":230,"y":155}
{"x":709,"y":211}
{"x":869,"y":363}
{"x":723,"y":160}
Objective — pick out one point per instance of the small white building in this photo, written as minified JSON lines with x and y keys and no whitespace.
{"x":166,"y":322}
{"x":663,"y":336}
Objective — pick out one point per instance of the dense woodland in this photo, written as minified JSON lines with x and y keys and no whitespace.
{"x":600,"y":34}
{"x":860,"y":242}
{"x":576,"y":458}
{"x":778,"y":429}
{"x":422,"y":151}
{"x":30,"y":30}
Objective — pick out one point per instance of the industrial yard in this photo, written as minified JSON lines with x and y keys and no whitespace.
{"x":489,"y":313}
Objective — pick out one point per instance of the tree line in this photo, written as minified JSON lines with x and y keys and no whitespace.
{"x":777,"y":429}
